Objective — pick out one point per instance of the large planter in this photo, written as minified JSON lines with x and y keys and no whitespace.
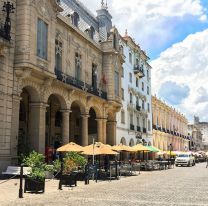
{"x":69,"y":179}
{"x":35,"y":186}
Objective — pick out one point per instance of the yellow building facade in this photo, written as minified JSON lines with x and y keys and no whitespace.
{"x":170,"y":128}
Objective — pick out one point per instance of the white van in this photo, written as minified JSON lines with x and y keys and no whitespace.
{"x":186,"y":159}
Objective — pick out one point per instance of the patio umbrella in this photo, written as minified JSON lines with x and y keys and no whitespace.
{"x":122,"y":147}
{"x":70,"y":147}
{"x":140,"y":147}
{"x":98,"y":149}
{"x":153,"y":149}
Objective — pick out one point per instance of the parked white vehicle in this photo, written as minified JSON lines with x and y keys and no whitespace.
{"x":186,"y":159}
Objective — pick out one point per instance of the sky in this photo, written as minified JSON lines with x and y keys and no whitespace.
{"x":174,"y":33}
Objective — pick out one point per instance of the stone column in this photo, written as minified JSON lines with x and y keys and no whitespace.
{"x":65,"y":126}
{"x":37,"y":127}
{"x":15,"y":127}
{"x":111,"y":132}
{"x":100,"y":130}
{"x":85,"y":129}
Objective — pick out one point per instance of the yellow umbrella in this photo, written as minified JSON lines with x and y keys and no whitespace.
{"x":140,"y":147}
{"x":98,"y":149}
{"x":122,"y":147}
{"x":70,"y":147}
{"x":172,"y":153}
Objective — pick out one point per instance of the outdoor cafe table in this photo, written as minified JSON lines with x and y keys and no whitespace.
{"x":163,"y":164}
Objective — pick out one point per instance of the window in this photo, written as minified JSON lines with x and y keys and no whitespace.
{"x":78,"y":66}
{"x":122,"y":72}
{"x":94,"y":76}
{"x":148,"y":107}
{"x":116,"y":80}
{"x":130,"y":58}
{"x":137,"y":61}
{"x":131,"y":98}
{"x":58,"y":55}
{"x":147,"y":74}
{"x":137,"y":82}
{"x":114,"y":41}
{"x":42,"y":39}
{"x":75,"y":19}
{"x":142,"y":86}
{"x":131,"y":119}
{"x":148,"y":125}
{"x":91,"y":32}
{"x":143,"y":121}
{"x":122,"y":117}
{"x":137,"y":101}
{"x":130,"y":77}
{"x":138,"y":121}
{"x":122,"y":93}
{"x":147,"y":90}
{"x":142,"y":104}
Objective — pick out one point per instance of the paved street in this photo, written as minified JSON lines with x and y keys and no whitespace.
{"x":178,"y":186}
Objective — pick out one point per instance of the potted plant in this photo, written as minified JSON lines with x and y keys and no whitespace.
{"x":35,"y":181}
{"x":73,"y":164}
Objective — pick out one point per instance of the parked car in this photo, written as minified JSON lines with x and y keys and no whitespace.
{"x":186,"y":159}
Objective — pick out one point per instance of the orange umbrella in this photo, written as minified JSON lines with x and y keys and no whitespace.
{"x":122,"y":147}
{"x":70,"y":147}
{"x":98,"y":149}
{"x":140,"y":147}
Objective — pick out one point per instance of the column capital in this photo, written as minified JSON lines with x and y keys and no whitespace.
{"x":39,"y":105}
{"x":67,"y":111}
{"x":85,"y":115}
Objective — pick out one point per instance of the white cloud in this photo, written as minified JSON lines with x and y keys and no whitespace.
{"x":186,"y":63}
{"x":148,"y":20}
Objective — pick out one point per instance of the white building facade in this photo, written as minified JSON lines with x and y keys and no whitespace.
{"x":134,"y":121}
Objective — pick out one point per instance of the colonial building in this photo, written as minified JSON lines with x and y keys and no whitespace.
{"x":170,"y":130}
{"x":60,"y":77}
{"x":195,"y":138}
{"x":202,"y":127}
{"x":134,"y":121}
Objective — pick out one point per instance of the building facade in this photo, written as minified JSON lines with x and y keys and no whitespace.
{"x":195,"y":138}
{"x":203,"y":128}
{"x":170,"y":128}
{"x":60,"y":77}
{"x":134,"y":121}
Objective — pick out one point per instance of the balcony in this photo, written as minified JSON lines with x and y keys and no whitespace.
{"x":131,"y":127}
{"x":138,"y":108}
{"x":138,"y":129}
{"x":144,"y":130}
{"x":79,"y":84}
{"x":139,"y":71}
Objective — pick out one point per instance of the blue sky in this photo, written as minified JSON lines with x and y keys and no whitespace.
{"x":174,"y":34}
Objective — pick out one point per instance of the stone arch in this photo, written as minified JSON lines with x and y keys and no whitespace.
{"x":97,"y":110}
{"x":60,"y":94}
{"x":32,"y":89}
{"x":81,"y":105}
{"x":131,"y":142}
{"x":123,"y":141}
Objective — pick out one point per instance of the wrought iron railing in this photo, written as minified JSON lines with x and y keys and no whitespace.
{"x":65,"y":78}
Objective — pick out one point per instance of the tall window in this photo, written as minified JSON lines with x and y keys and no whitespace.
{"x":94,"y":76}
{"x":137,"y":82}
{"x":131,"y":98}
{"x":137,"y":101}
{"x":42,"y":39}
{"x":91,"y":32}
{"x":142,"y":86}
{"x":130,"y":57}
{"x":78,"y":66}
{"x":122,"y":72}
{"x":75,"y":19}
{"x":142,"y":104}
{"x":148,"y":125}
{"x":116,"y":80}
{"x":58,"y":55}
{"x":138,"y":121}
{"x":143,"y":121}
{"x":130,"y":77}
{"x":148,"y":107}
{"x":137,"y":61}
{"x":147,"y":74}
{"x":122,"y":93}
{"x":122,"y":117}
{"x":147,"y":90}
{"x":131,"y":119}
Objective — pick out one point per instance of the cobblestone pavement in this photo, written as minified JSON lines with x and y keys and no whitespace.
{"x":178,"y":186}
